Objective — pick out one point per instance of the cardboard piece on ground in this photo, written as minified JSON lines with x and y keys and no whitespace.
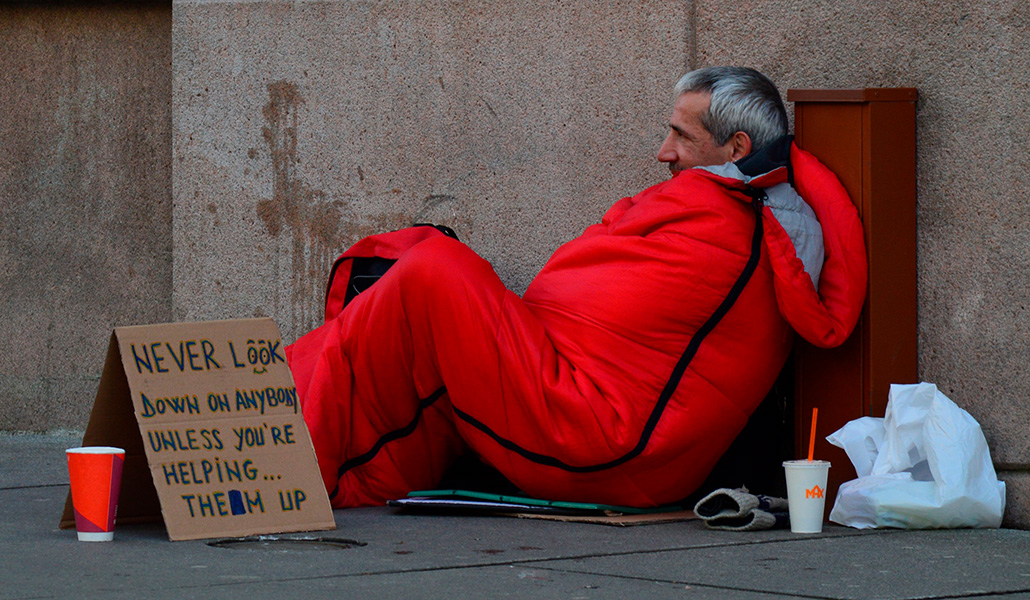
{"x":617,"y":520}
{"x":213,"y":435}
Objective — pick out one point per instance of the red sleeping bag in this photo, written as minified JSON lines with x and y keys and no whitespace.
{"x":625,"y":371}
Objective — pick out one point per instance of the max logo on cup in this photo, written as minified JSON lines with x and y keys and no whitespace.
{"x":814,"y":492}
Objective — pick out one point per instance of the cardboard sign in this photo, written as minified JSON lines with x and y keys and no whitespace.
{"x":214,"y":437}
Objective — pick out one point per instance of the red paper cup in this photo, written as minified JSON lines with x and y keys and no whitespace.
{"x":96,"y":478}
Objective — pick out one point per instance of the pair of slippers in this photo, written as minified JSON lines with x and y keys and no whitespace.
{"x":739,"y":510}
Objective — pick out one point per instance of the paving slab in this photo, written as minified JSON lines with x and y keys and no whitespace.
{"x":887,"y":564}
{"x":35,"y":459}
{"x":398,"y":554}
{"x":367,"y":542}
{"x":488,"y":582}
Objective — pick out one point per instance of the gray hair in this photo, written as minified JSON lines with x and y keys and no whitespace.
{"x":742,"y":100}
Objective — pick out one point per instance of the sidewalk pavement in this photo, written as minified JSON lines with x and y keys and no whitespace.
{"x":395,"y":555}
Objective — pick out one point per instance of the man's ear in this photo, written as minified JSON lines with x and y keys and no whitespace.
{"x":739,"y":145}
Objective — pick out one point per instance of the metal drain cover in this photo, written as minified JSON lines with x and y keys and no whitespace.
{"x":286,"y":544}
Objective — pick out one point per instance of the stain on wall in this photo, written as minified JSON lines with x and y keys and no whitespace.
{"x":319,"y":226}
{"x":306,"y":215}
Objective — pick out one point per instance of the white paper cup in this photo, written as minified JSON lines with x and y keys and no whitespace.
{"x":806,"y":494}
{"x":95,"y":473}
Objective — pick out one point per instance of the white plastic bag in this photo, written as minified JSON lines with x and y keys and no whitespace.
{"x":924,"y":465}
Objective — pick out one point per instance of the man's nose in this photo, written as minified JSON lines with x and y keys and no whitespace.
{"x":666,"y":152}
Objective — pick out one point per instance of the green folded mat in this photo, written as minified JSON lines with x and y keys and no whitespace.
{"x":467,"y":500}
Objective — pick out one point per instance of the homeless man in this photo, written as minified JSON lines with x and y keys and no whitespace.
{"x":635,"y":356}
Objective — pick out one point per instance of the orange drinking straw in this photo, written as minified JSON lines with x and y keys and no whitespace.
{"x":811,"y":439}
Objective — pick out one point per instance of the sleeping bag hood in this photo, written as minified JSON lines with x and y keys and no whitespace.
{"x":823,"y":312}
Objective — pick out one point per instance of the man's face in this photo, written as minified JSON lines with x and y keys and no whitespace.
{"x":689,"y":144}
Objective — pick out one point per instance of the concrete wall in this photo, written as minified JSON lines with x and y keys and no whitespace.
{"x":301,"y":126}
{"x":85,"y":197}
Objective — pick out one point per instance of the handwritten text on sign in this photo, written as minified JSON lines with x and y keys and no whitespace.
{"x":222,"y":427}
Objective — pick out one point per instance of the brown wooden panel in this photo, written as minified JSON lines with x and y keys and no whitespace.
{"x":853,"y":95}
{"x":867,"y":137}
{"x":831,"y":380}
{"x":890,"y":179}
{"x":833,"y":132}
